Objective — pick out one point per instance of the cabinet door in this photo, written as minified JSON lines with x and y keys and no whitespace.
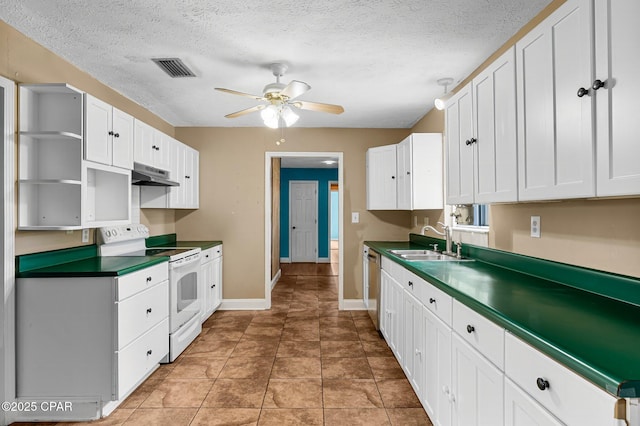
{"x":162,"y":154}
{"x":555,"y":138}
{"x":143,"y":143}
{"x":437,"y":371}
{"x":381,"y":178}
{"x":459,"y":151}
{"x":385,"y":305}
{"x":403,"y":166}
{"x":98,"y":131}
{"x":521,"y":410}
{"x":617,"y":64}
{"x":397,"y":334}
{"x":496,"y":160}
{"x":412,"y":328}
{"x":191,"y":178}
{"x":216,"y":286}
{"x":206,"y":281}
{"x":122,"y":139}
{"x":477,"y":387}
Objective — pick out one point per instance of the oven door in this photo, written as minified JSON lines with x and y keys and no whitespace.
{"x":184,"y":275}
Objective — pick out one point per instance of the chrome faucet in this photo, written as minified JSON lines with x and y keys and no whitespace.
{"x":446,"y":233}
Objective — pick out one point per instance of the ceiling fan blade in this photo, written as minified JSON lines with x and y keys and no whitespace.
{"x":235,"y":92}
{"x":295,"y":89}
{"x":317,"y":106}
{"x":245,"y":111}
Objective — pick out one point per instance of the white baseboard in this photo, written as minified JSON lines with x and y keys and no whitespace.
{"x":243,"y":305}
{"x":285,"y":260}
{"x":324,"y":260}
{"x":353,"y":305}
{"x":275,"y":279}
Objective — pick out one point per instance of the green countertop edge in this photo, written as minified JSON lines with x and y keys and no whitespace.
{"x":619,"y":388}
{"x":87,"y":268}
{"x":31,"y":261}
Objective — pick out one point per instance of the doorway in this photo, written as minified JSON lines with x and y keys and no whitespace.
{"x":303,"y":221}
{"x":332,"y":160}
{"x":334,"y":223}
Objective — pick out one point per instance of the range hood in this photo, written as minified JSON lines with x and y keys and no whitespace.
{"x":150,"y":176}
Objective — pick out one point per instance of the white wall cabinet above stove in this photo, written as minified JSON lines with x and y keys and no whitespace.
{"x":109,"y":134}
{"x":151,"y":146}
{"x":58,"y":189}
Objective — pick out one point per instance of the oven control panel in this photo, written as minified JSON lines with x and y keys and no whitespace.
{"x":118,"y":233}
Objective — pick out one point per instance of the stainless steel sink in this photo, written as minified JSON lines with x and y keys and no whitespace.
{"x":427,"y":256}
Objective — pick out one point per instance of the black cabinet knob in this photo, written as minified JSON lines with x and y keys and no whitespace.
{"x":432,"y":300}
{"x":393,"y":177}
{"x":467,"y":142}
{"x":116,"y":135}
{"x":293,"y":227}
{"x":110,"y":133}
{"x":582,"y":91}
{"x":148,"y":310}
{"x":213,"y":285}
{"x":473,"y":140}
{"x":470,"y":329}
{"x":148,"y":279}
{"x":542,"y":384}
{"x":410,"y":284}
{"x":597,"y":84}
{"x":149,"y":352}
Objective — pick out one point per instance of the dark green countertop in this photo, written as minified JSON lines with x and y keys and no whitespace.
{"x":80,"y":262}
{"x":596,"y":336}
{"x":202,"y":244}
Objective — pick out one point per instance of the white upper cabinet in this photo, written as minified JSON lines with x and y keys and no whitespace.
{"x":109,"y":134}
{"x":459,"y":151}
{"x":185,"y":169}
{"x":617,"y":127}
{"x":381,"y":178}
{"x":419,"y":172}
{"x":151,"y":146}
{"x":555,"y":136}
{"x":495,"y":145}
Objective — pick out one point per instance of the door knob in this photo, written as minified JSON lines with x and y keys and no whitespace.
{"x":293,"y":227}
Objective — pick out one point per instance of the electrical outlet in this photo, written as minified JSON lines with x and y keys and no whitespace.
{"x":535,"y":226}
{"x":85,"y":235}
{"x":355,"y":217}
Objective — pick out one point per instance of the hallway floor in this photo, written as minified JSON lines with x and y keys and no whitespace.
{"x":301,"y":363}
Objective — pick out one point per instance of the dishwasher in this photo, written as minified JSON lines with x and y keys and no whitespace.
{"x":373,"y":301}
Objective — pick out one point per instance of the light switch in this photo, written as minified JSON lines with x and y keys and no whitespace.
{"x":535,"y":226}
{"x":355,"y":217}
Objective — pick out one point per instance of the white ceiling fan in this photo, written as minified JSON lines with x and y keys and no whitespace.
{"x":279,"y":98}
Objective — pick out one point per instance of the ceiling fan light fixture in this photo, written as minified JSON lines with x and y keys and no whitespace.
{"x":289,"y":116}
{"x":270,"y":116}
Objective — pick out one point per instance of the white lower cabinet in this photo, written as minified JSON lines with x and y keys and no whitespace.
{"x":437,"y":369}
{"x":413,"y":342}
{"x":477,"y":388}
{"x":211,"y":281}
{"x":392,"y":304}
{"x":522,"y":410}
{"x":119,"y":325}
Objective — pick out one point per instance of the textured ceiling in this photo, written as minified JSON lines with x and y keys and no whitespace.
{"x":380,"y":59}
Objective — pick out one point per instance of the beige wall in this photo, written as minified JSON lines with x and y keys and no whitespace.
{"x":24,"y":61}
{"x":232,"y":187}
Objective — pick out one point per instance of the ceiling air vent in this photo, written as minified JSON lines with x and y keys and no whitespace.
{"x":174,"y":67}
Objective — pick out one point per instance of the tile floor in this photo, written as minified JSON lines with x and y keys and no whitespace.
{"x":301,"y":363}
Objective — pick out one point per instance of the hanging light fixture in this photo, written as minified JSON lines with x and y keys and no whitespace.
{"x":276,"y":116}
{"x":439,"y":102}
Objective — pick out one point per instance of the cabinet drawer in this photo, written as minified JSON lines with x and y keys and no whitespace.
{"x":484,"y":335}
{"x":141,"y":356}
{"x":139,"y":313}
{"x":394,"y":269}
{"x":211,"y":253}
{"x":413,"y":284}
{"x":130,"y":284}
{"x":438,"y":302}
{"x":574,"y":400}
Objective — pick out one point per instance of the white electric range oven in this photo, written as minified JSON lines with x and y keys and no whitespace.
{"x":184,"y":275}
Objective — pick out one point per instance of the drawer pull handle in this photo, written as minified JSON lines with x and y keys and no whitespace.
{"x":149,"y":352}
{"x":213,"y":285}
{"x":470,"y":329}
{"x":148,"y":310}
{"x":149,"y":279}
{"x":542,"y":383}
{"x":432,"y":300}
{"x":410,"y":284}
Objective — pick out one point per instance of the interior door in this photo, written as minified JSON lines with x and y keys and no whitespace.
{"x":303,"y":208}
